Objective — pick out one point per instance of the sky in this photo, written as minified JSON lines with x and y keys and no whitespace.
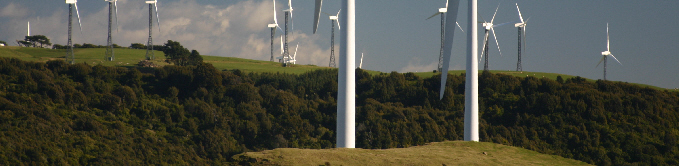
{"x":562,"y":36}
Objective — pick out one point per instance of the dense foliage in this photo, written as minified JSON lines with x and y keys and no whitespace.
{"x":56,"y":113}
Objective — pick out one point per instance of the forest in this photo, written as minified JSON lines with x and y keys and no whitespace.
{"x":55,"y":113}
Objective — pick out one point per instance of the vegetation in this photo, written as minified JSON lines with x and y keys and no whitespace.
{"x":177,"y":54}
{"x":440,"y":153}
{"x":55,"y":113}
{"x":35,"y":41}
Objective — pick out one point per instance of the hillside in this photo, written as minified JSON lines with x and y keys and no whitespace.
{"x":438,"y":153}
{"x":129,"y":57}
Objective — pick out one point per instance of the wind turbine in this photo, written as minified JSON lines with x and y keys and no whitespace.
{"x":273,"y":28}
{"x":333,"y":19}
{"x":522,"y":35}
{"x":110,"y":56}
{"x":607,"y":53}
{"x":288,"y":11}
{"x":489,"y":26}
{"x":441,"y":12}
{"x":69,"y":52}
{"x":149,"y":46}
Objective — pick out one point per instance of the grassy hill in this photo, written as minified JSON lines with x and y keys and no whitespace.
{"x":437,"y":153}
{"x":129,"y":57}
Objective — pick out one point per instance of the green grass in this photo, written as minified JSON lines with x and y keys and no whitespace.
{"x":129,"y":57}
{"x":439,"y":153}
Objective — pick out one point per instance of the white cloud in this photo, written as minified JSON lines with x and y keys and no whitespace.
{"x":13,"y":10}
{"x":238,"y":30}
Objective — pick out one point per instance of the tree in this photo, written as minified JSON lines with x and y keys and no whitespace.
{"x":137,"y":46}
{"x":34,"y":40}
{"x":3,"y":42}
{"x":179,"y":55}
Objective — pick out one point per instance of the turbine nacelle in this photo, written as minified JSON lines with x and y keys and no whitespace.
{"x":333,"y":17}
{"x":443,"y":10}
{"x":71,"y":1}
{"x":488,"y":25}
{"x":520,"y":25}
{"x":606,"y":53}
{"x":272,"y":25}
{"x":152,"y":2}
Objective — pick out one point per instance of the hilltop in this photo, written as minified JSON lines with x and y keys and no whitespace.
{"x":436,"y":153}
{"x":126,"y":57}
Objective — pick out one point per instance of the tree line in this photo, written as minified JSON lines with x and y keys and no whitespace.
{"x":57,"y":113}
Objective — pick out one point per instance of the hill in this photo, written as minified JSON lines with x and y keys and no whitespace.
{"x":130,"y":57}
{"x":56,"y":113}
{"x":438,"y":153}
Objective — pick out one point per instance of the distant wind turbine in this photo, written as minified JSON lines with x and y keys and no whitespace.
{"x":489,"y":26}
{"x":522,"y":35}
{"x":333,"y":19}
{"x":607,"y":52}
{"x":70,"y":57}
{"x":441,"y":12}
{"x":110,"y":56}
{"x":149,"y":46}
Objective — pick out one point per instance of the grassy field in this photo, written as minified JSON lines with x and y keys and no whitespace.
{"x":130,"y":57}
{"x":438,"y":153}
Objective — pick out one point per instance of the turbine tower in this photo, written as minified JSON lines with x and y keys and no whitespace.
{"x":441,"y":12}
{"x":273,"y":28}
{"x":28,"y":31}
{"x":149,"y":46}
{"x":333,"y":19}
{"x":607,"y":52}
{"x":489,"y":26}
{"x":522,"y":35}
{"x":110,"y":56}
{"x":70,"y":57}
{"x":286,"y":53}
{"x":471,"y":88}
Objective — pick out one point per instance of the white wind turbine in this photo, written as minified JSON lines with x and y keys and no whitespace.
{"x":69,"y":52}
{"x":110,"y":56}
{"x":489,"y":26}
{"x":441,"y":12}
{"x":607,"y":52}
{"x":273,"y":29}
{"x":522,"y":35}
{"x":333,"y":19}
{"x":471,"y":108}
{"x":149,"y":46}
{"x":286,"y":53}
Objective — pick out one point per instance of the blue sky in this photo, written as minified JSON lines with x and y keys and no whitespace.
{"x":563,"y":36}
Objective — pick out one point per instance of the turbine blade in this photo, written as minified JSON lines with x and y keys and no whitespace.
{"x":115,"y":3}
{"x":338,"y":24}
{"x":498,"y":7}
{"x":451,"y":19}
{"x":484,"y":20}
{"x":78,"y":12}
{"x":608,"y":39}
{"x":602,"y":59}
{"x":498,"y":44}
{"x":327,"y":14}
{"x":483,"y":50}
{"x":458,"y":25}
{"x":437,"y":13}
{"x":517,"y":9}
{"x":616,"y":59}
{"x":497,"y":25}
{"x":275,"y":20}
{"x":157,"y":18}
{"x":317,"y":14}
{"x":360,"y":65}
{"x":296,"y":47}
{"x":282,"y":49}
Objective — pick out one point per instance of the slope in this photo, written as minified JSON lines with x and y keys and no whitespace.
{"x":437,"y":153}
